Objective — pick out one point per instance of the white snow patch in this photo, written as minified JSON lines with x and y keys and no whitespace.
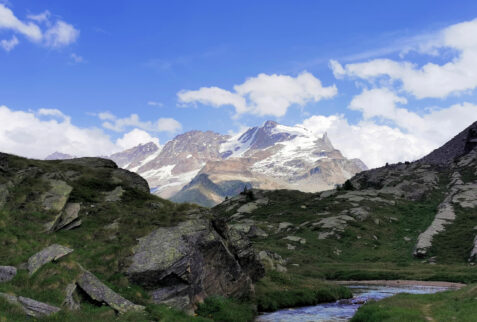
{"x":302,"y":149}
{"x":237,"y":147}
{"x":161,"y":173}
{"x":146,"y":160}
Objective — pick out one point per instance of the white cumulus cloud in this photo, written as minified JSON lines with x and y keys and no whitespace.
{"x":9,"y":21}
{"x":39,"y":134}
{"x":51,"y":34}
{"x":409,"y":136}
{"x":8,"y":45}
{"x":113,"y":123}
{"x":134,"y":138}
{"x":61,"y":34}
{"x":431,"y":80}
{"x":263,"y":95}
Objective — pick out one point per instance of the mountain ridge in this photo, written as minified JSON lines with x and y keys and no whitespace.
{"x":269,"y":156}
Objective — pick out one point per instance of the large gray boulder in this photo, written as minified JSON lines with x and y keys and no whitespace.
{"x":184,"y":264}
{"x":7,"y":273}
{"x":99,"y":292}
{"x":31,"y":307}
{"x":49,"y":254}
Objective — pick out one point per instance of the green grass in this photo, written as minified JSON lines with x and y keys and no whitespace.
{"x":220,"y":309}
{"x":88,"y":312}
{"x":375,"y":248}
{"x":445,"y":306}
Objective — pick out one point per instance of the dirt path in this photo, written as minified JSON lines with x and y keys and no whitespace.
{"x":427,"y":311}
{"x":403,"y":283}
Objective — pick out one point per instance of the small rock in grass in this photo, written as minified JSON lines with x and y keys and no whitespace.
{"x":7,"y":273}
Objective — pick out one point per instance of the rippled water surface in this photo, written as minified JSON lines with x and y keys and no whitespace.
{"x":343,"y":310}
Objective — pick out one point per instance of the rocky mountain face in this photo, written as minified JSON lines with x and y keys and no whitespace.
{"x":91,"y":234}
{"x":272,"y":156}
{"x":402,"y":221}
{"x":205,"y":167}
{"x":135,"y":157}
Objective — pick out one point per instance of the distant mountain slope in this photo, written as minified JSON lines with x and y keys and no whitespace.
{"x":461,"y":144}
{"x":59,"y":156}
{"x":135,"y":157}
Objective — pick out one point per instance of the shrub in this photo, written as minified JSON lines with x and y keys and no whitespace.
{"x":219,"y":309}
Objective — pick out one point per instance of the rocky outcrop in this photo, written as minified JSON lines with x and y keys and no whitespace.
{"x":56,"y":198}
{"x":99,"y":292}
{"x":184,"y":264}
{"x":67,"y":219}
{"x":179,"y":265}
{"x":134,"y":157}
{"x":7,"y":273}
{"x":238,"y":241}
{"x":272,"y":261}
{"x":461,"y":144}
{"x":31,"y":307}
{"x":445,"y":216}
{"x":50,"y":253}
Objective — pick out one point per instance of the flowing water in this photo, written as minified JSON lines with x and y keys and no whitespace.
{"x":343,"y":310}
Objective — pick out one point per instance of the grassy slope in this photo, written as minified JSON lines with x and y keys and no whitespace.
{"x":366,"y":249}
{"x":446,"y":306}
{"x":376,"y":248}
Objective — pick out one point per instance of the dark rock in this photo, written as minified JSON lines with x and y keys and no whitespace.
{"x":3,"y":162}
{"x":184,"y":264}
{"x":461,"y":144}
{"x":91,"y":162}
{"x":242,"y":248}
{"x":7,"y":273}
{"x":130,"y":179}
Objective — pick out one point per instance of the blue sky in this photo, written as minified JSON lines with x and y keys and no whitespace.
{"x":98,"y":62}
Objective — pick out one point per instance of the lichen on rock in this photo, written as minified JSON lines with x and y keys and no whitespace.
{"x":48,"y":254}
{"x":99,"y":292}
{"x":56,"y":198}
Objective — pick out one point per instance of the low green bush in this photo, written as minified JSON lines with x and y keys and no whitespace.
{"x":220,"y":309}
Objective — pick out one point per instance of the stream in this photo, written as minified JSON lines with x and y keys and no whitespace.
{"x":343,"y":310}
